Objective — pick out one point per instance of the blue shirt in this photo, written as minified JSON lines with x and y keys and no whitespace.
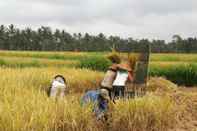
{"x":90,"y":96}
{"x":93,"y":96}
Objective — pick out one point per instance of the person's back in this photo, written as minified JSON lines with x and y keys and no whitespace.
{"x":58,"y":87}
{"x":90,"y":96}
{"x":108,"y":79}
{"x":99,"y":99}
{"x":121,"y":78}
{"x":107,"y":82}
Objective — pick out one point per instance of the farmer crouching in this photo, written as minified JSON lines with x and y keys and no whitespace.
{"x":58,"y":87}
{"x":100,"y":100}
{"x":124,"y":75}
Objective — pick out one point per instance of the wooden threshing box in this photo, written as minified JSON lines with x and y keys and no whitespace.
{"x":139,"y":85}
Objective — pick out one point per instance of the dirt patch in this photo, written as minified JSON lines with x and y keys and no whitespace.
{"x":186,"y":101}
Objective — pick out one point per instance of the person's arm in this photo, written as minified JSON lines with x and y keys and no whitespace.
{"x":130,"y":76}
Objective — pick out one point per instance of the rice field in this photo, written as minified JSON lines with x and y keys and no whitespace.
{"x":22,"y":62}
{"x":169,"y":57}
{"x":179,"y":68}
{"x":25,"y":105}
{"x":14,"y":58}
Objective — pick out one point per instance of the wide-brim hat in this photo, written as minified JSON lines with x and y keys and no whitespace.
{"x":124,"y":67}
{"x":105,"y":94}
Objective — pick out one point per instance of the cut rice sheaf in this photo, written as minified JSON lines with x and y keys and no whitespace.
{"x":161,"y":84}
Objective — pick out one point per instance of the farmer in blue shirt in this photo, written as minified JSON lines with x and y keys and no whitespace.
{"x":100,"y":99}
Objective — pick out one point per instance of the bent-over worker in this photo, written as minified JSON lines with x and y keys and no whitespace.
{"x":99,"y":99}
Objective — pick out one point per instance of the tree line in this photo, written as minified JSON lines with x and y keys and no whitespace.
{"x":46,"y":39}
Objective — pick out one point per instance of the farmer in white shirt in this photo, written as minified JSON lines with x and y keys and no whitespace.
{"x":124,"y":74}
{"x":58,"y":87}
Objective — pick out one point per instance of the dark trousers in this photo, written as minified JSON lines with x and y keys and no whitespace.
{"x":118,"y":91}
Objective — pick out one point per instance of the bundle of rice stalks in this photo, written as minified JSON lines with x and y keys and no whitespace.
{"x":114,"y":57}
{"x":132,"y":59}
{"x":160,"y":84}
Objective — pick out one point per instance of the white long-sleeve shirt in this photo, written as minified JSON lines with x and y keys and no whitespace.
{"x":121,"y":78}
{"x":57,"y":84}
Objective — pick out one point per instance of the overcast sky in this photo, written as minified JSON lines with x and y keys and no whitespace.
{"x":158,"y":19}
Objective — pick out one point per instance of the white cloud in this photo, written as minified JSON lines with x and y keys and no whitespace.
{"x":127,"y":18}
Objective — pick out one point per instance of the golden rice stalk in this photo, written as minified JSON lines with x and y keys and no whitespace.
{"x":132,"y":59}
{"x":160,"y":84}
{"x":114,"y":57}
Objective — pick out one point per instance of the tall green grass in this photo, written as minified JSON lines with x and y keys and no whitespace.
{"x":182,"y":74}
{"x":169,"y":57}
{"x":95,"y":63}
{"x":2,"y":62}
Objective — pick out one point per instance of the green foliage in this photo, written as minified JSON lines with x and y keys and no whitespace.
{"x":2,"y":62}
{"x":182,"y":74}
{"x":170,"y":57}
{"x":95,"y":63}
{"x":47,"y":39}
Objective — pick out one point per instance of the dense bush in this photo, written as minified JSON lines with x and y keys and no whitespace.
{"x":95,"y":63}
